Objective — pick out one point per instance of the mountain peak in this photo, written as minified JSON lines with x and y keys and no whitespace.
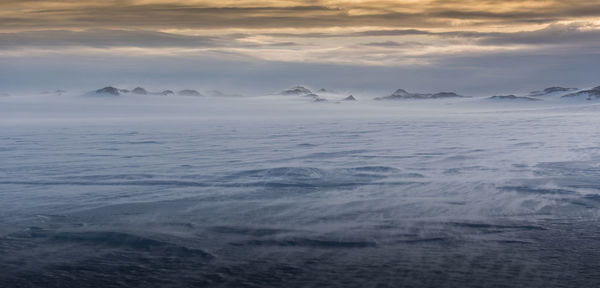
{"x":593,"y":93}
{"x":400,"y":92}
{"x":349,"y":98}
{"x":513,"y":97}
{"x":296,"y":90}
{"x":403,"y":94}
{"x":446,"y":95}
{"x":139,"y":90}
{"x":109,"y":90}
{"x":551,"y":90}
{"x":189,"y":92}
{"x":329,"y":91}
{"x":558,"y":89}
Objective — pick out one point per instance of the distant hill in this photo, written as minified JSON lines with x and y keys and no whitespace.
{"x":403,"y":94}
{"x":188,"y":92}
{"x":139,"y":91}
{"x":513,"y":97}
{"x":551,"y":90}
{"x":591,"y":94}
{"x":166,"y":93}
{"x":297,"y":90}
{"x":108,"y":91}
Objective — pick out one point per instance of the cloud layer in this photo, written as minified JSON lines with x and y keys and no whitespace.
{"x":402,"y":34}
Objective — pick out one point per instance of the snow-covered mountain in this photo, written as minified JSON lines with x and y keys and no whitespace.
{"x":552,"y":91}
{"x":349,"y":98}
{"x":166,"y":93}
{"x":107,"y":91}
{"x":113,"y":91}
{"x":551,"y":95}
{"x":188,"y":92}
{"x":513,"y":97}
{"x":591,"y":94}
{"x":296,"y":90}
{"x":403,"y":94}
{"x":139,"y":91}
{"x":305,"y":92}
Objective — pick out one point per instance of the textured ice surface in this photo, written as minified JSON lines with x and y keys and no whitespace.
{"x":256,"y":192}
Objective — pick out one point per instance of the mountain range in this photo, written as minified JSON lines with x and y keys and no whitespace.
{"x":324,"y":95}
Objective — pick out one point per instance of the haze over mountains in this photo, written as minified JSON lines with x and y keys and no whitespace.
{"x":403,"y":94}
{"x":513,"y":97}
{"x":590,"y":94}
{"x":184,"y":101}
{"x":552,"y":94}
{"x":112,"y":91}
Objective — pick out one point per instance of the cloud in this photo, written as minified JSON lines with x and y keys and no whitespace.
{"x":105,"y":38}
{"x":99,"y":38}
{"x":376,"y":35}
{"x":88,"y":14}
{"x":574,"y":34}
{"x":165,"y":15}
{"x":386,"y":47}
{"x":394,"y":44}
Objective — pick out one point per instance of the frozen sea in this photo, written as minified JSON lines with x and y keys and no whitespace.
{"x":265,"y":192}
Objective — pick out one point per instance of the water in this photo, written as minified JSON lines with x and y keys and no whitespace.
{"x":454,"y":200}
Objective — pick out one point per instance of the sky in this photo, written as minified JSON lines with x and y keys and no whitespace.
{"x":261,"y":46}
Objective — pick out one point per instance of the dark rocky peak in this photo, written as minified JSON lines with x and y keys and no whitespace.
{"x":446,"y":95}
{"x":513,"y":97}
{"x":400,"y":92}
{"x":139,"y":90}
{"x":349,"y":98}
{"x":589,"y":94}
{"x":550,"y":90}
{"x":109,"y":91}
{"x":297,"y":90}
{"x":558,"y":89}
{"x":323,"y":90}
{"x":403,"y":94}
